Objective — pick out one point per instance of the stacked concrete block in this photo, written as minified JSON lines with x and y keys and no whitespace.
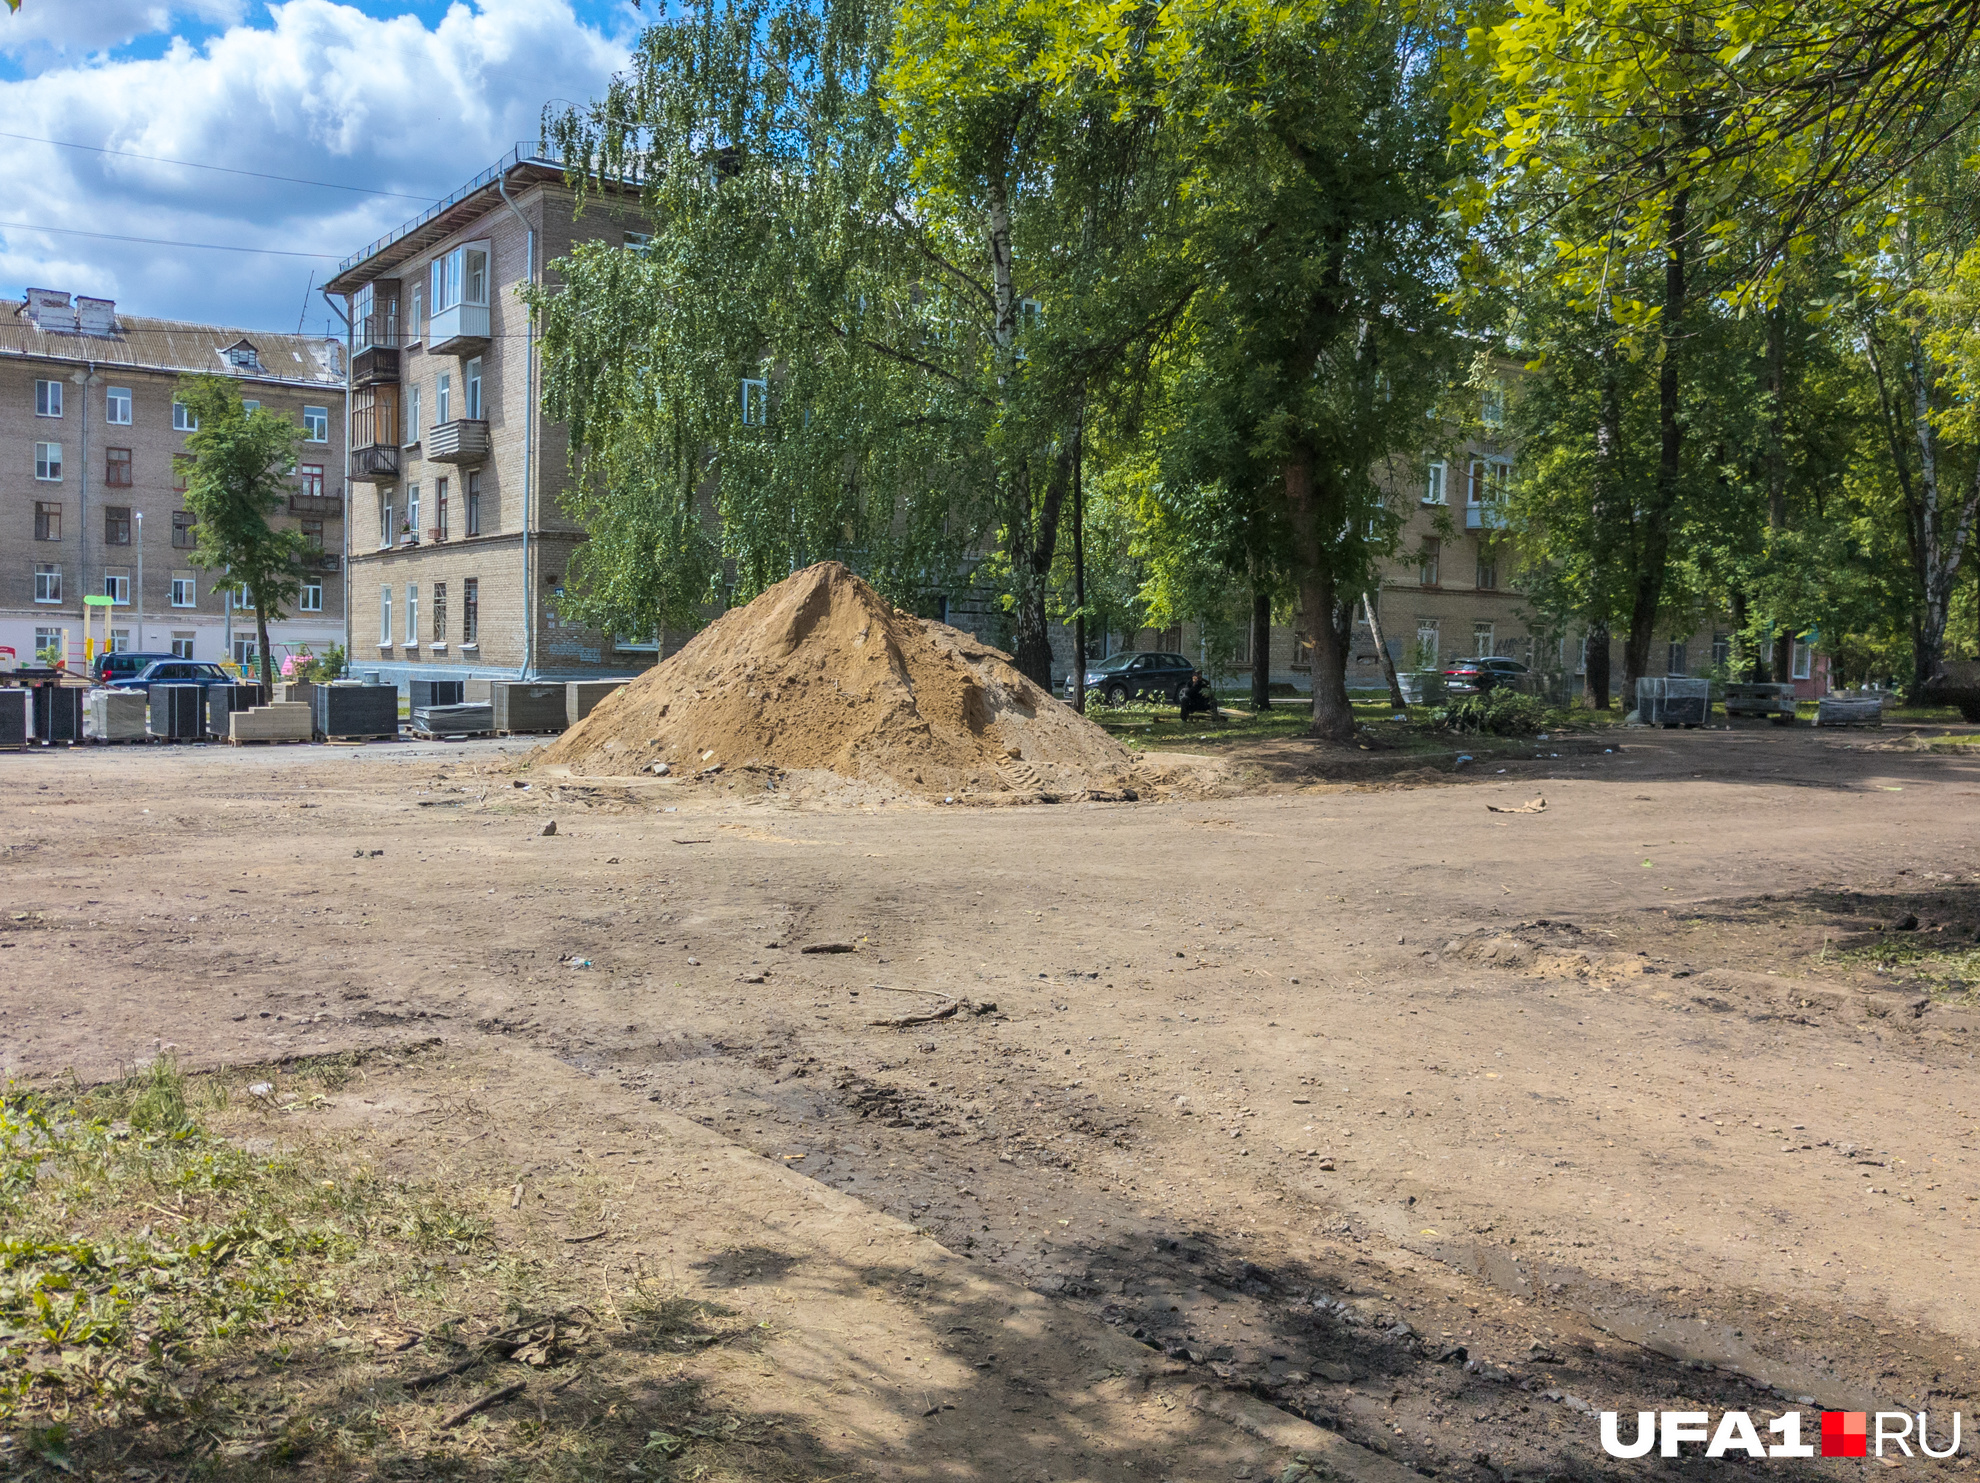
{"x":581,"y":697}
{"x":529,"y":706}
{"x":356,"y":710}
{"x":116,"y":715}
{"x":285,"y":720}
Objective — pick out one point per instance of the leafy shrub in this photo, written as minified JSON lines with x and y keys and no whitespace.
{"x":1496,"y":713}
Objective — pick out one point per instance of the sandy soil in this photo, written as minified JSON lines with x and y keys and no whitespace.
{"x":1431,"y":1126}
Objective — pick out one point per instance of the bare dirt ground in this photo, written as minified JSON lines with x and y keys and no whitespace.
{"x":1352,"y":1121}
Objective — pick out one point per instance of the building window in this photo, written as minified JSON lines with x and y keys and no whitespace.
{"x":418,"y":320}
{"x":471,"y":611}
{"x":185,"y":590}
{"x":1433,"y":494}
{"x":474,"y":504}
{"x":48,"y":399}
{"x":440,"y":614}
{"x":245,"y":656}
{"x":48,"y":462}
{"x":316,"y":424}
{"x":311,"y":475}
{"x":1490,"y":478}
{"x":250,"y":406}
{"x":1722,"y":650}
{"x":1492,"y":405}
{"x":185,"y":530}
{"x":386,"y":530}
{"x":120,"y":641}
{"x":47,"y":583}
{"x":412,"y":415}
{"x":412,"y":510}
{"x":1581,"y":656}
{"x":244,"y":357}
{"x":384,"y":617}
{"x":1481,"y":640}
{"x":117,"y":406}
{"x":443,"y":398}
{"x":116,"y":525}
{"x":1675,"y":659}
{"x":638,"y":241}
{"x":460,"y":277}
{"x":471,"y":387}
{"x":117,"y":468}
{"x":45,"y":640}
{"x":1428,"y":561}
{"x":439,"y":509}
{"x":311,"y":600}
{"x":47,"y":521}
{"x":312,"y":534}
{"x":1488,"y":568}
{"x":755,"y":402}
{"x":183,"y":420}
{"x":117,"y":585}
{"x":412,"y":614}
{"x":1804,"y":660}
{"x":182,"y":643}
{"x":1426,"y":642}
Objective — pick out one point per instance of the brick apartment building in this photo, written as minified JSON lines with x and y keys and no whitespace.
{"x":458,"y":544}
{"x":89,"y":497}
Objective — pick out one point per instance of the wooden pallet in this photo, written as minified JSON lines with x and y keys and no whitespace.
{"x":269,"y":741}
{"x":451,"y":735}
{"x":358,"y":741}
{"x":523,"y":733}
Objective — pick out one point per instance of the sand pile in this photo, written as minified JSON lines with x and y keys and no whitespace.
{"x":820,"y":674}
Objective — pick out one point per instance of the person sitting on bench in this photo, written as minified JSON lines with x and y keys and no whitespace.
{"x":1197,"y":696}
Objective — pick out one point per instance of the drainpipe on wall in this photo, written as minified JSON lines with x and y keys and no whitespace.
{"x":529,"y":429}
{"x":82,"y":498}
{"x":350,"y":351}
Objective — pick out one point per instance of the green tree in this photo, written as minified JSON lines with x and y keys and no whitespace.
{"x":239,"y":469}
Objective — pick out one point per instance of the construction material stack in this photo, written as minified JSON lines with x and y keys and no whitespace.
{"x":581,"y":696}
{"x":284,"y":721}
{"x":178,"y":712}
{"x":350,"y":710}
{"x":530,"y":706}
{"x":116,"y":715}
{"x":1673,"y":701}
{"x":13,"y":719}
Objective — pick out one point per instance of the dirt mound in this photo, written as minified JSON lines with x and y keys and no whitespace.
{"x":822,"y":674}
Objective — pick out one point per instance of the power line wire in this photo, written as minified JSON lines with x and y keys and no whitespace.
{"x":23,"y":226}
{"x":328,"y":185}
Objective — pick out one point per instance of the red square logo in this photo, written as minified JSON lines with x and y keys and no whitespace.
{"x":1845,"y":1434}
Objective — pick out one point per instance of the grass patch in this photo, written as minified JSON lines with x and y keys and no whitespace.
{"x":1948,"y":973}
{"x":196,"y":1284}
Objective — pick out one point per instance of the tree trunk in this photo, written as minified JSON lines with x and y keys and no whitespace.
{"x":1034,"y":540}
{"x":1388,"y":660}
{"x":1261,"y":650}
{"x":261,"y":643}
{"x":1315,"y":517}
{"x":1079,"y":568}
{"x":1654,"y":534}
{"x":1595,"y":659}
{"x":1782,"y":659}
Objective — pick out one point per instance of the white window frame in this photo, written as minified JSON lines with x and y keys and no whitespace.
{"x":1678,"y":650}
{"x":412,"y":615}
{"x":116,"y":400}
{"x":412,"y":508}
{"x":120,"y":641}
{"x":417,"y":323}
{"x":183,"y":420}
{"x":311,"y":598}
{"x":48,"y":463}
{"x":1492,"y":404}
{"x":1482,"y":634}
{"x":48,"y":399}
{"x":461,"y":276}
{"x":1430,"y":638}
{"x":185,"y":638}
{"x":385,"y":616}
{"x":1437,"y":490}
{"x":1493,"y":476}
{"x":47,"y":638}
{"x":316,"y":424}
{"x":48,"y":582}
{"x":387,"y":533}
{"x":185,"y":592}
{"x":443,"y":398}
{"x":471,"y":390}
{"x":755,"y":401}
{"x":1802,"y":667}
{"x":117,"y":587}
{"x":412,"y":415}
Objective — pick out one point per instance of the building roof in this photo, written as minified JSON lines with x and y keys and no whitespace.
{"x":534,"y":163}
{"x":36,"y":328}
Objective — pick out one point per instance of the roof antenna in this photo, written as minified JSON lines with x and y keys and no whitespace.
{"x":300,"y":313}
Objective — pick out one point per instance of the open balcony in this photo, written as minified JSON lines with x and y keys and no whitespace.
{"x":375,"y":365}
{"x":316,"y":504}
{"x":1485,"y":517}
{"x":375,"y":463}
{"x":463,"y":441}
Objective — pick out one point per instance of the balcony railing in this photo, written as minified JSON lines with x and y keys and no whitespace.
{"x":460,"y":330}
{"x":463,"y":441}
{"x":1485,"y":517}
{"x":328,"y":561}
{"x":374,"y":462}
{"x":375,"y":365}
{"x":316,"y":504}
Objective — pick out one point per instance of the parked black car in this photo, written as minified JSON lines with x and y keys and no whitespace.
{"x":1481,"y":676}
{"x":1122,"y":676}
{"x":119,"y":666}
{"x":174,"y":672}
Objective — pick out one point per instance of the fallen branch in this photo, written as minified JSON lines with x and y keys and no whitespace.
{"x":945,"y":1012}
{"x":493,"y":1398}
{"x":1536,"y":806}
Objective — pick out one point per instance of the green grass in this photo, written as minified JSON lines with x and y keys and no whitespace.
{"x":1925,"y":962}
{"x":175,"y":1302}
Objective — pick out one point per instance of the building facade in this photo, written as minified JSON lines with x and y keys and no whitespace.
{"x":90,"y":503}
{"x":458,"y":543}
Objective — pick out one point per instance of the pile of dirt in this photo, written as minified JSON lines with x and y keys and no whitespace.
{"x":820,"y":674}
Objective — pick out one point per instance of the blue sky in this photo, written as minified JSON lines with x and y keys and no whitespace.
{"x":406,"y":96}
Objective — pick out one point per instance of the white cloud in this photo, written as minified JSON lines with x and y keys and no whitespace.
{"x":61,"y":27}
{"x":323,"y":92}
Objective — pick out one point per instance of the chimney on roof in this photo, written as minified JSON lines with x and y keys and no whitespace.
{"x":96,"y":316}
{"x":48,"y":309}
